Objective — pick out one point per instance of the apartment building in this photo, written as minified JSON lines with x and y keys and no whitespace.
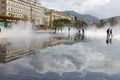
{"x":58,"y":15}
{"x":29,"y":10}
{"x":51,"y":15}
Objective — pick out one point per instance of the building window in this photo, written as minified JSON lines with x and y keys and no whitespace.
{"x":11,"y":9}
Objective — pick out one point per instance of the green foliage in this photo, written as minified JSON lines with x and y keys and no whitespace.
{"x":61,"y":22}
{"x":80,"y":23}
{"x":6,"y":24}
{"x":102,"y":23}
{"x":112,"y":21}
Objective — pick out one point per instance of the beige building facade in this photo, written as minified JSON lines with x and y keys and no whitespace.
{"x":54,"y":15}
{"x":28,"y":10}
{"x":51,"y":15}
{"x":58,"y":15}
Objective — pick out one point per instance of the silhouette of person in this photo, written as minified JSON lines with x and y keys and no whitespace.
{"x":109,"y":36}
{"x":0,"y":29}
{"x":61,"y":29}
{"x":69,"y":32}
{"x":69,"y":29}
{"x":55,"y":29}
{"x":111,"y":32}
{"x":108,"y":32}
{"x":83,"y":31}
{"x":79,"y":32}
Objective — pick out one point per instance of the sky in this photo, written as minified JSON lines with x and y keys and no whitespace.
{"x":98,"y":8}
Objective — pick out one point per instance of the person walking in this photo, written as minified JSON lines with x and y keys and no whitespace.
{"x":83,"y":31}
{"x":82,"y":34}
{"x":109,"y":36}
{"x":0,"y":29}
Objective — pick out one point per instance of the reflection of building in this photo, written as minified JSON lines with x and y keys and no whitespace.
{"x":25,"y":9}
{"x":51,"y":15}
{"x":10,"y":51}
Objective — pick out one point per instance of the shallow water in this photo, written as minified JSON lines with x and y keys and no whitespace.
{"x":90,"y":59}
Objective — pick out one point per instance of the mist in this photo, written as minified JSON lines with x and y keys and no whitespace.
{"x":92,"y":55}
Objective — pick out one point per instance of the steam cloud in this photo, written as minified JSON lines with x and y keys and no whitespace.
{"x":94,"y":55}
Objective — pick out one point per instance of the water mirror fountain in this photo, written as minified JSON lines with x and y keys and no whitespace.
{"x":88,"y":59}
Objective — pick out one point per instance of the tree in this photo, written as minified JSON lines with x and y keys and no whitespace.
{"x":80,"y":23}
{"x":112,"y":21}
{"x":61,"y":22}
{"x":58,"y":23}
{"x":102,"y":23}
{"x":65,"y":21}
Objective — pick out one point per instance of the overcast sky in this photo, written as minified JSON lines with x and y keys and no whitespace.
{"x":98,"y":8}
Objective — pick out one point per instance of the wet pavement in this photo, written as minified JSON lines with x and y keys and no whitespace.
{"x":21,"y":69}
{"x":102,"y":58}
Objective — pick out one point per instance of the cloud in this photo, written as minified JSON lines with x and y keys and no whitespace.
{"x":98,"y":8}
{"x":89,"y":5}
{"x":81,"y":6}
{"x":109,"y":10}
